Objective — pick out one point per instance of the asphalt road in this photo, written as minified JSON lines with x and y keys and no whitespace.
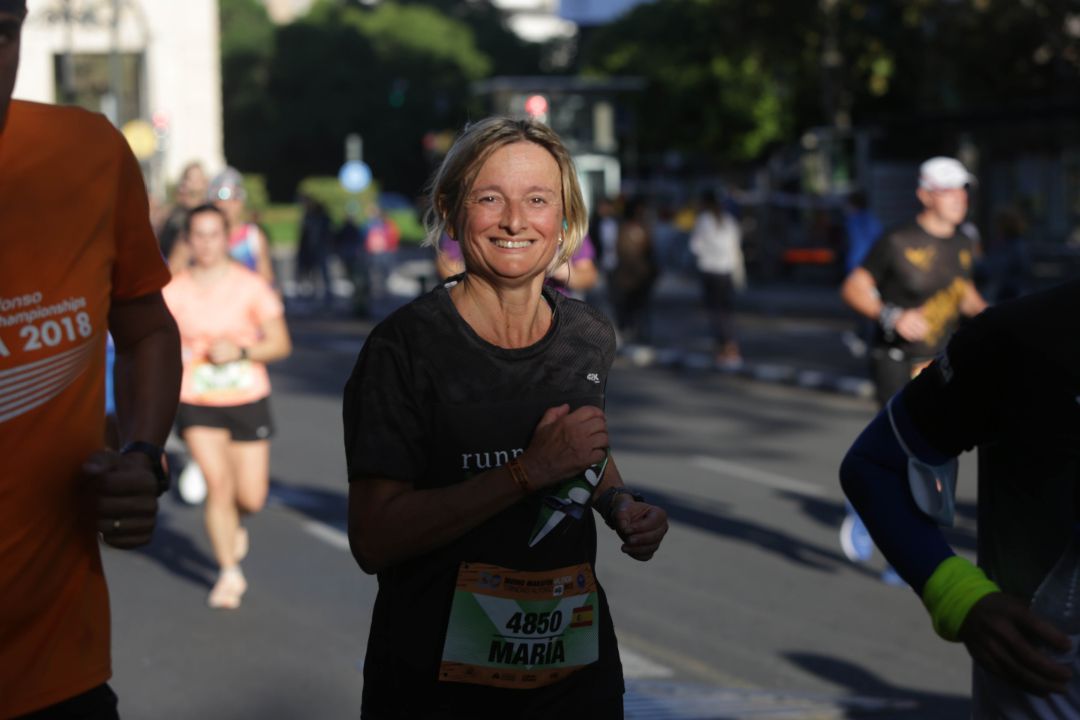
{"x":749,"y":610}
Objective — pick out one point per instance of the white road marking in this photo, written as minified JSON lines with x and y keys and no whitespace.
{"x":659,"y":700}
{"x":329,"y":535}
{"x":638,"y":667}
{"x":761,"y":477}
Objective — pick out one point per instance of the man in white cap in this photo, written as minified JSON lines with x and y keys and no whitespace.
{"x":70,"y":271}
{"x":916,"y":280}
{"x":915,"y":283}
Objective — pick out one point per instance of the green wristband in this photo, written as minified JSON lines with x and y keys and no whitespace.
{"x":954,"y":587}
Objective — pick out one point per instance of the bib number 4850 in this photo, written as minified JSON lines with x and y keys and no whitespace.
{"x":535,"y":623}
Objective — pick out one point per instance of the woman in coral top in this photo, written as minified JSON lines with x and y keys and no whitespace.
{"x":231,"y":323}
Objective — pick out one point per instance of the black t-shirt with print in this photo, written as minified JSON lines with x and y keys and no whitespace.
{"x":913,"y":268}
{"x":432,"y":403}
{"x":1009,"y":382}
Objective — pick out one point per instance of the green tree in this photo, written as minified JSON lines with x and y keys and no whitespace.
{"x":935,"y":57}
{"x":390,"y":73}
{"x":725,"y":78}
{"x":247,"y":47}
{"x":729,"y":78}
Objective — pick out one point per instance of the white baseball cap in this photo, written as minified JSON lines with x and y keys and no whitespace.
{"x":944,"y":173}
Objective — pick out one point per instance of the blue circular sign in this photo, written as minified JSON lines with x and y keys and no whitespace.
{"x":354,"y":176}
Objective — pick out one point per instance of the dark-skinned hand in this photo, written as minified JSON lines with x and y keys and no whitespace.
{"x":1009,"y":641}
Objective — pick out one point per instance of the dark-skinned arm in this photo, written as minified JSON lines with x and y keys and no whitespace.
{"x":147,"y":374}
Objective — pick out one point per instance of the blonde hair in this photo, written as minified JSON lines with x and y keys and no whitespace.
{"x":451,"y":183}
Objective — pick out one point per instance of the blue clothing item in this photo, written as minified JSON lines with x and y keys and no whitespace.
{"x":244,"y":245}
{"x":110,"y":360}
{"x":874,"y":475}
{"x":863,"y":229}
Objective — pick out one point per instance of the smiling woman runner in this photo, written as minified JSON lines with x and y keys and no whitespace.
{"x":476,"y":444}
{"x":231,"y":323}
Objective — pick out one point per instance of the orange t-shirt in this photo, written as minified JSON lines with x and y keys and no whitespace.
{"x":233,"y":308}
{"x":74,"y":235}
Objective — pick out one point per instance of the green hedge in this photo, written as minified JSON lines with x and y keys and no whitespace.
{"x":282,"y":222}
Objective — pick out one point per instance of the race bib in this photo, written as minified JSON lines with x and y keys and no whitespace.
{"x":221,"y":382}
{"x":518,"y":629}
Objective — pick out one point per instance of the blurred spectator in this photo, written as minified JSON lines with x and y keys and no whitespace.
{"x":605,"y":232}
{"x":313,"y":253}
{"x":716,"y":242}
{"x":579,"y":275}
{"x":381,"y":239}
{"x":349,"y":240}
{"x":448,"y":259}
{"x":635,"y":273}
{"x":862,"y":227}
{"x":1006,"y":262}
{"x":190,"y":192}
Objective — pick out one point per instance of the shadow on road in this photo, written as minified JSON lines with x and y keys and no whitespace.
{"x":683,"y":510}
{"x":861,"y":682}
{"x":831,"y":514}
{"x":329,"y":507}
{"x":175,"y":551}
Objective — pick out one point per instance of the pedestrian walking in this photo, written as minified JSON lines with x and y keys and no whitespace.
{"x":862,"y":229}
{"x":69,"y":276}
{"x":477,"y":447}
{"x":1009,"y":382}
{"x":314,"y":250}
{"x":381,"y":240}
{"x":231,"y":324}
{"x":716,"y":242}
{"x":635,"y":273}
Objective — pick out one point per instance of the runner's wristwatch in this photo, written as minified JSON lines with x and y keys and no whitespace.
{"x":159,"y":464}
{"x":605,"y":504}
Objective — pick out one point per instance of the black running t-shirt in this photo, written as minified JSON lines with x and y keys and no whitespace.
{"x":1009,"y":382}
{"x":913,"y":268}
{"x":431,"y":403}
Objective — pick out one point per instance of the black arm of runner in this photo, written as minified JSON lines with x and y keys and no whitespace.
{"x":874,"y":477}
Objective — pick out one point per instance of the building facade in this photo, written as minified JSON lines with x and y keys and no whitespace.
{"x":152,"y":67}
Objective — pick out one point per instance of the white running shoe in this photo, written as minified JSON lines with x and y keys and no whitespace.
{"x":191,"y":484}
{"x":855,"y":539}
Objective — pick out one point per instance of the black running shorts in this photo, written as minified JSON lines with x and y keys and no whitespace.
{"x":245,"y":423}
